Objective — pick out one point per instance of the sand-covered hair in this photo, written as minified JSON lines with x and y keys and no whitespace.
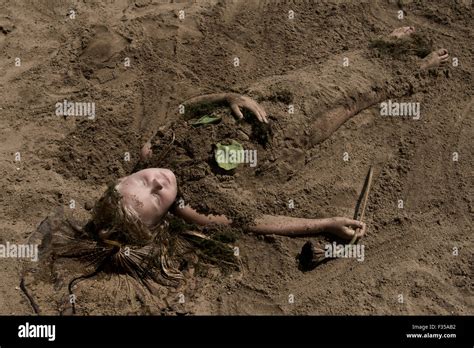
{"x":117,"y":221}
{"x":139,"y":248}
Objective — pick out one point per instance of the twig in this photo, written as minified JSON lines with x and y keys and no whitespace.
{"x":359,"y":215}
{"x":365,"y":196}
{"x":33,"y":303}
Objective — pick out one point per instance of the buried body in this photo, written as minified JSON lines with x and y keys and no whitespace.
{"x":145,"y":244}
{"x":144,"y":232}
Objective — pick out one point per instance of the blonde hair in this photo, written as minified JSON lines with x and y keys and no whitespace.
{"x":150,"y":248}
{"x":120,"y":222}
{"x":117,"y":224}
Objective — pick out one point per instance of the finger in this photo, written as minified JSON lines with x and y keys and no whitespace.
{"x":442,"y":51}
{"x":263,"y":113}
{"x":350,"y":222}
{"x":362,"y":230}
{"x":355,"y":223}
{"x":236,"y":111}
{"x":254,"y":109}
{"x":258,"y":112}
{"x":349,"y":233}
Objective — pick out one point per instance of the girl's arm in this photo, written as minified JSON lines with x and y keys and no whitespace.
{"x":190,"y":215}
{"x":236,"y":101}
{"x":282,"y":225}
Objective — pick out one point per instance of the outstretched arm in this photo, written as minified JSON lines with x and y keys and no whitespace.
{"x":236,"y":101}
{"x":192,"y":216}
{"x":282,"y":225}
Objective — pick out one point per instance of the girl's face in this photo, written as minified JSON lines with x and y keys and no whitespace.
{"x":150,"y":192}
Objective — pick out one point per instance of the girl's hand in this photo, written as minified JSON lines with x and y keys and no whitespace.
{"x":237,"y":101}
{"x":345,"y":228}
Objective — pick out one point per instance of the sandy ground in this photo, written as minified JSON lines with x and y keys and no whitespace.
{"x":408,"y":252}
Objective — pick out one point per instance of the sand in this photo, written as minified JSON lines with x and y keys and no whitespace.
{"x":418,"y":259}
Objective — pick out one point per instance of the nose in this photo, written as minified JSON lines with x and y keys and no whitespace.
{"x":156,"y":185}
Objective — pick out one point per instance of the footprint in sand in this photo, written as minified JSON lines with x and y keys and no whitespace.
{"x":6,"y":27}
{"x":101,"y":54}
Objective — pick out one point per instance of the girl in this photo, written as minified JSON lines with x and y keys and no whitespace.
{"x":144,"y":225}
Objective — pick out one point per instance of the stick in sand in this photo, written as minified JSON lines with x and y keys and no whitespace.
{"x":366,"y":190}
{"x":314,"y":256}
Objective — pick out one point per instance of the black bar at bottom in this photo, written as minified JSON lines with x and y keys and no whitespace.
{"x":196,"y":330}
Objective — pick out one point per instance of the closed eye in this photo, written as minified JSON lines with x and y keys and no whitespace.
{"x":157,"y":196}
